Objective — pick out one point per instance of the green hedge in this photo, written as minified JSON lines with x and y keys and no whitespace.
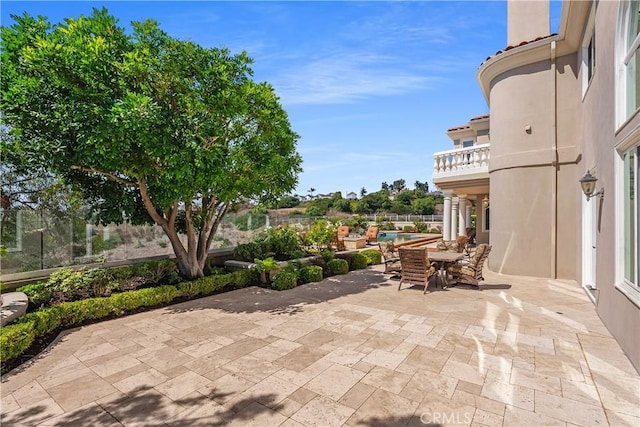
{"x":357,"y":262}
{"x":100,"y":282}
{"x":373,"y":256}
{"x":311,"y":273}
{"x":20,"y":335}
{"x":338,"y":266}
{"x":15,"y":339}
{"x":285,"y":280}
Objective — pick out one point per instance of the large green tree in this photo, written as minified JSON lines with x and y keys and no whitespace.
{"x":145,"y":124}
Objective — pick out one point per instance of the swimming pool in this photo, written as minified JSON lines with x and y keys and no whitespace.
{"x":386,"y":236}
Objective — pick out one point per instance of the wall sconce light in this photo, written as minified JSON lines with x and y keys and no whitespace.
{"x":588,"y":183}
{"x":485,"y":201}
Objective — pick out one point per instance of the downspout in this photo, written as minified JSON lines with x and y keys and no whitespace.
{"x":554,"y":167}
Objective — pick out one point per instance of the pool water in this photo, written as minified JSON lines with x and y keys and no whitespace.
{"x":385,"y":236}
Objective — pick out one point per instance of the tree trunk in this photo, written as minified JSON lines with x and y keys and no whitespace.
{"x":189,"y":269}
{"x":188,"y":265}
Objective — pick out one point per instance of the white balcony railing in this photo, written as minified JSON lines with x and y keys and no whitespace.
{"x":462,"y":160}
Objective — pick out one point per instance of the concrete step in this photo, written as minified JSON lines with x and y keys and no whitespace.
{"x":14,"y":305}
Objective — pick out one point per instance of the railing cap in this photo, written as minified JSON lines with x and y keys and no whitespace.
{"x":462,"y":150}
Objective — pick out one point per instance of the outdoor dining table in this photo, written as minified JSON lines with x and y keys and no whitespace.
{"x":445,"y":259}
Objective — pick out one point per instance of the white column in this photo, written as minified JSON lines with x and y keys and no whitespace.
{"x":462,"y":214}
{"x":454,"y":220}
{"x":468,"y":214}
{"x":446,"y":218}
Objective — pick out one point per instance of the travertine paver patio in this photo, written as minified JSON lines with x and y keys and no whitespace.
{"x":349,"y":350}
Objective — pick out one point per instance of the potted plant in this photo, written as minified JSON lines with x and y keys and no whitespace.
{"x":265,"y":267}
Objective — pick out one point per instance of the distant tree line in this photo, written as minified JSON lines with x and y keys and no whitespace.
{"x":394,"y":198}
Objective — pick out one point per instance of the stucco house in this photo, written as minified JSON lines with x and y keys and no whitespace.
{"x":563,"y":109}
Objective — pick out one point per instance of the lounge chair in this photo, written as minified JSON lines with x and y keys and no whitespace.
{"x":343,"y":231}
{"x":372,"y":234}
{"x":390,"y":256}
{"x":416,"y":268}
{"x":471,"y":273}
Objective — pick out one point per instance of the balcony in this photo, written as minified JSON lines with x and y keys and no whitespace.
{"x":459,"y":165}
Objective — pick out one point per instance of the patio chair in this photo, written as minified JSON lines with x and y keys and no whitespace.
{"x":458,"y":245}
{"x":471,"y":273}
{"x":462,"y":244}
{"x":416,"y":268}
{"x":372,"y":234}
{"x":343,"y":231}
{"x":391,"y":257}
{"x":471,"y":233}
{"x":337,"y":243}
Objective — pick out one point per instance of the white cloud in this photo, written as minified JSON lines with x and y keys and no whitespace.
{"x":348,"y":77}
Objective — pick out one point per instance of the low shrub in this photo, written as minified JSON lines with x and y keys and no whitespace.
{"x":39,"y":294}
{"x":357,"y":262}
{"x":435,"y":230}
{"x":210,"y":284}
{"x":44,"y":321}
{"x":321,"y":234}
{"x":15,"y":339}
{"x":373,"y":256}
{"x":285,"y":243}
{"x":252,"y":250}
{"x":66,"y":285}
{"x":204,"y":285}
{"x":421,"y":226}
{"x":285,"y":280}
{"x":242,"y":278}
{"x":281,"y":243}
{"x":327,"y":255}
{"x":407,"y":228}
{"x":385,"y":224}
{"x":311,"y":273}
{"x":338,"y":266}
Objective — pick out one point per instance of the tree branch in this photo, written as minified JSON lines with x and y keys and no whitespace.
{"x":108,"y":175}
{"x":208,"y":203}
{"x":148,"y":204}
{"x":216,"y":223}
{"x":173,"y":212}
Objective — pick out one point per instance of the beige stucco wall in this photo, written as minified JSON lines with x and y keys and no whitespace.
{"x":597,"y":137}
{"x":521,"y":172}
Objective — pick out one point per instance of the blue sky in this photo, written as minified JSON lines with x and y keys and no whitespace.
{"x":371,"y":86}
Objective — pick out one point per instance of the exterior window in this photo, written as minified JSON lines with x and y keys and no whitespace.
{"x":631,"y":214}
{"x":628,"y":77}
{"x":486,"y":218}
{"x":468,"y":143}
{"x":589,"y":52}
{"x":591,"y":57}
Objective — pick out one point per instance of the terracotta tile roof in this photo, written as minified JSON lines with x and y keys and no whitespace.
{"x":459,"y":128}
{"x":520,"y":44}
{"x":486,"y":116}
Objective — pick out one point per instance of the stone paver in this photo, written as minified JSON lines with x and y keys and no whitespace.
{"x":350,"y":350}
